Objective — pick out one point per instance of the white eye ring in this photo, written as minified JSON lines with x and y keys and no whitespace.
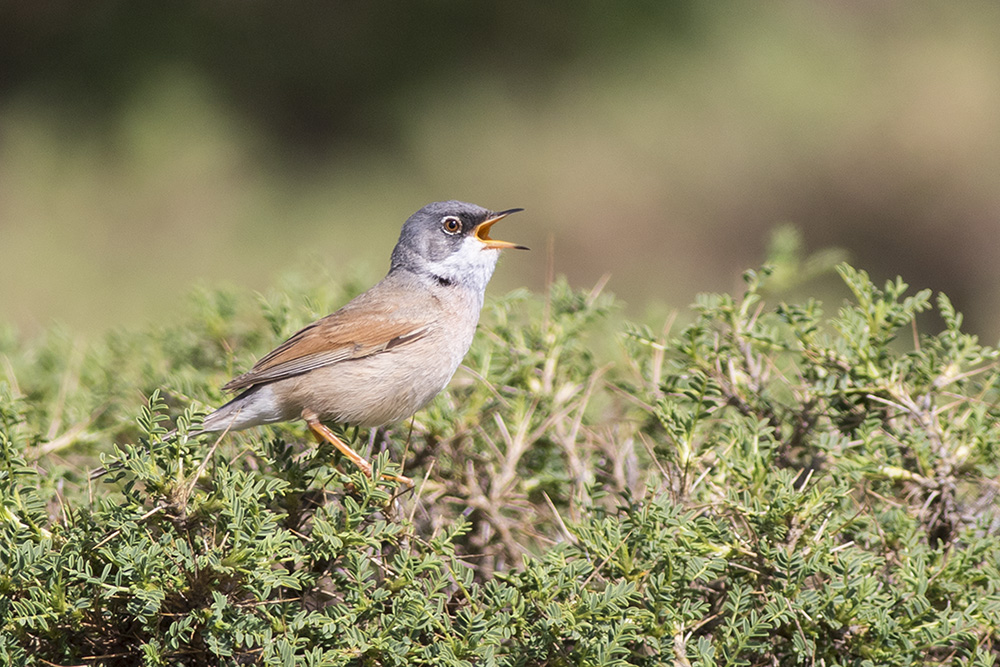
{"x":451,"y":224}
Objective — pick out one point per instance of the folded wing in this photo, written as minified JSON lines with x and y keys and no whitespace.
{"x":333,"y":339}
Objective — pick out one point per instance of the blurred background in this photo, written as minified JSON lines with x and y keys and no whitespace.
{"x":147,"y":147}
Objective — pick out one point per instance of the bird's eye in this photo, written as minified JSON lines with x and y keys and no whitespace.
{"x":451,"y":225}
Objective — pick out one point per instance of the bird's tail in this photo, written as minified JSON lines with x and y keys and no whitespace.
{"x":253,"y":407}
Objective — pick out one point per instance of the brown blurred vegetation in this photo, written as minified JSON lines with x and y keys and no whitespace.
{"x":146,"y":147}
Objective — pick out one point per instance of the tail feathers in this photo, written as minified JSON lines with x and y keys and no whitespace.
{"x":223,"y":418}
{"x":253,"y":407}
{"x":226,"y":418}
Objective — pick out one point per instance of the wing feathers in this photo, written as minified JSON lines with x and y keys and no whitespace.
{"x":346,"y":334}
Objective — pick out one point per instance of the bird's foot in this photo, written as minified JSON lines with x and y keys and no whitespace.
{"x":324,"y":434}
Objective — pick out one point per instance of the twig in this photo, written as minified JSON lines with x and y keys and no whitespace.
{"x":562,"y":525}
{"x":115,"y":533}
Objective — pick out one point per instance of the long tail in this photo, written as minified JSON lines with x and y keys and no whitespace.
{"x":253,"y":407}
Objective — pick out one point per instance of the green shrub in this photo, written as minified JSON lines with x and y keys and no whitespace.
{"x":767,"y":485}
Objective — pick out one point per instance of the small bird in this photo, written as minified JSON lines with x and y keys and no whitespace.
{"x":390,"y":350}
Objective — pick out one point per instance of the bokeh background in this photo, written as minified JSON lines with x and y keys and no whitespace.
{"x":146,"y":147}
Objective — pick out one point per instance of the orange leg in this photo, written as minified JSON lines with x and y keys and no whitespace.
{"x":324,"y":434}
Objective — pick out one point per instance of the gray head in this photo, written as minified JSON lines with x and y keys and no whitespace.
{"x":449,"y":242}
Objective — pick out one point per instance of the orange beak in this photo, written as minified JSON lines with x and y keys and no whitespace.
{"x":482,"y":232}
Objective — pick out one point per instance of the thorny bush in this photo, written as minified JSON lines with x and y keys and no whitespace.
{"x":766,"y":485}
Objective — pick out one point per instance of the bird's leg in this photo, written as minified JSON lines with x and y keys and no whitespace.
{"x":324,"y":434}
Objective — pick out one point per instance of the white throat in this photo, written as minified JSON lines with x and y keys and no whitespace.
{"x":470,"y":267}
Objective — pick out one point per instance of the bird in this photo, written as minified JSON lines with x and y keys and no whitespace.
{"x":388,"y":352}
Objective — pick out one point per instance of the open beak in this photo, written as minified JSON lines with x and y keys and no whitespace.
{"x":482,"y":231}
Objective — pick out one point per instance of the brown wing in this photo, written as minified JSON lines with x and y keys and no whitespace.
{"x":346,"y":334}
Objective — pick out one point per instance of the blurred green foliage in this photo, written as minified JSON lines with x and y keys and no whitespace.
{"x":766,"y":485}
{"x":148,"y":147}
{"x":312,"y":72}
